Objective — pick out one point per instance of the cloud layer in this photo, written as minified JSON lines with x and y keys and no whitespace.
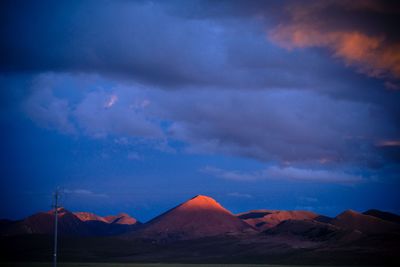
{"x":286,"y":126}
{"x":285,"y":173}
{"x":236,"y":78}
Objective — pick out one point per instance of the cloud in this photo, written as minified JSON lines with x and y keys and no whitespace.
{"x":169,"y":45}
{"x":232,"y":175}
{"x":279,"y":125}
{"x":90,"y":112}
{"x":116,"y":120}
{"x":308,"y":199}
{"x":311,"y":175}
{"x":134,"y":156}
{"x":369,"y":54}
{"x":84,"y":193}
{"x":388,"y":143}
{"x":96,"y":42}
{"x":48,"y":110}
{"x":202,"y":77}
{"x":285,"y":173}
{"x":206,"y":76}
{"x":373,"y":53}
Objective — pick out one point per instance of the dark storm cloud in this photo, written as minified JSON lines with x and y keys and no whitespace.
{"x":307,"y":107}
{"x":189,"y":43}
{"x":120,"y":38}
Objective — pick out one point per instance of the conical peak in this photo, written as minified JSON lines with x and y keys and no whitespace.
{"x":201,"y":199}
{"x":199,"y":216}
{"x":202,"y":202}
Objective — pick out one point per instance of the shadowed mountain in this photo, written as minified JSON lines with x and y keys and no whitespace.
{"x":367,"y":224}
{"x":43,"y":223}
{"x":309,"y":230}
{"x":198,"y":217}
{"x":109,"y":225}
{"x":254,"y":214}
{"x":266,"y":219}
{"x":384,"y":215}
{"x":69,"y":223}
{"x":323,"y":219}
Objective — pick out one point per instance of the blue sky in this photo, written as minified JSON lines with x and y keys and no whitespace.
{"x":136,"y":106}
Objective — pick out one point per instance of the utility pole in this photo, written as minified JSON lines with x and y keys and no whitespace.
{"x":56,"y":195}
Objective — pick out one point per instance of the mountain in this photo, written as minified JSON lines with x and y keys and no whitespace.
{"x":266,"y":219}
{"x":112,"y":224}
{"x":384,"y":215}
{"x":70,"y":223}
{"x":367,"y":224}
{"x":200,"y":230}
{"x":87,"y":216}
{"x":43,"y":223}
{"x":311,"y":230}
{"x":121,"y":218}
{"x":198,"y":217}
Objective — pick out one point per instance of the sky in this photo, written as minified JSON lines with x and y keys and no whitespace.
{"x":137,"y":106}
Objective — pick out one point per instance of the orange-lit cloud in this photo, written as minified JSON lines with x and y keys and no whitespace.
{"x":371,"y":54}
{"x":388,"y":143}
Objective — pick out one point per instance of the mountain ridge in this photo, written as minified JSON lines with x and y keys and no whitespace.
{"x":199,"y":216}
{"x":200,"y":230}
{"x":70,"y":223}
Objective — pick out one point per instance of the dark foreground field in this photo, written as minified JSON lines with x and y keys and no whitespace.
{"x":112,"y":251}
{"x":77,"y":264}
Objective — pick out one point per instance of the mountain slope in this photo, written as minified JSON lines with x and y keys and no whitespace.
{"x":87,"y":216}
{"x":312,"y":231}
{"x":384,"y":215}
{"x":43,"y":223}
{"x":365,"y":223}
{"x":70,"y":223}
{"x":199,"y":217}
{"x":266,"y":219}
{"x":121,"y":218}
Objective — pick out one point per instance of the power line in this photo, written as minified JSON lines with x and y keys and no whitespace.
{"x":56,"y":196}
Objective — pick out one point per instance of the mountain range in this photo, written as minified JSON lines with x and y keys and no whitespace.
{"x":201,"y":230}
{"x":70,"y":223}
